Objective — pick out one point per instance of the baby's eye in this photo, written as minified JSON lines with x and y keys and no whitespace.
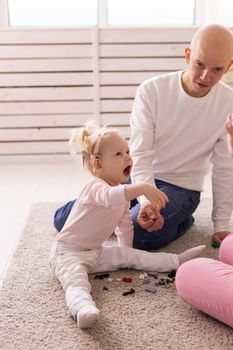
{"x":118,"y":154}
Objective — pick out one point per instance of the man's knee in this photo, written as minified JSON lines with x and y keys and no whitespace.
{"x":145,"y":240}
{"x":57,"y":221}
{"x":62,"y":214}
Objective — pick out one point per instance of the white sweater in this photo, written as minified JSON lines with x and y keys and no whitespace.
{"x":174,"y":137}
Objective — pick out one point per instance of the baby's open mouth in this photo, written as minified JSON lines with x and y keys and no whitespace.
{"x":127,"y":170}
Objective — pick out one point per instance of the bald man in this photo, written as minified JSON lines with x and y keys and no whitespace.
{"x":177,"y":130}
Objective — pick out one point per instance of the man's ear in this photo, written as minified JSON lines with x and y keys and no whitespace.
{"x":95,"y":163}
{"x":187,"y":53}
{"x":229,"y":65}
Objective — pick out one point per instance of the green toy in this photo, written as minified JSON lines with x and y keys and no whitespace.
{"x":215,"y":245}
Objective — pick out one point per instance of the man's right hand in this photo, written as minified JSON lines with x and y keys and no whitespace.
{"x":149,"y":217}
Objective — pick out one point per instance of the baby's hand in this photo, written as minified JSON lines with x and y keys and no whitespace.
{"x":229,"y":125}
{"x":155,"y":196}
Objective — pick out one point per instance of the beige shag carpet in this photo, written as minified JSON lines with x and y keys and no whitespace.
{"x":34,"y":315}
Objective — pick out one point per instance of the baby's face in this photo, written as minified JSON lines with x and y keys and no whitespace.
{"x":115,"y":159}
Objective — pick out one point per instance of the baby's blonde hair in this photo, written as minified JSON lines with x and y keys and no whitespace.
{"x":87,"y":137}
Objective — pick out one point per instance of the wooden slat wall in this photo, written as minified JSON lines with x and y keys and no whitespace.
{"x":52,"y":80}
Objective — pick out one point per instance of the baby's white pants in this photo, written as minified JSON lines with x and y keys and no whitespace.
{"x":71,"y":266}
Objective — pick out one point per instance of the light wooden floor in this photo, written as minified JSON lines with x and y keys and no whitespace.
{"x":28,"y":179}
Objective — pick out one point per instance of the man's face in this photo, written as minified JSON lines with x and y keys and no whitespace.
{"x":205,"y":68}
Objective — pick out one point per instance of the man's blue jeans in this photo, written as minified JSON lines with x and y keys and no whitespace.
{"x":177,"y":217}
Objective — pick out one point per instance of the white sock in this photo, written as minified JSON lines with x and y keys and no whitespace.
{"x":191,"y":254}
{"x":87,"y":316}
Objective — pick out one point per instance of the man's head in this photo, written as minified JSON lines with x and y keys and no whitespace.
{"x":209,"y":57}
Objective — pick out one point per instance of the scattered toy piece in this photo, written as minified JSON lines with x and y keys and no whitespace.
{"x":127,"y":279}
{"x":142,"y":276}
{"x":168,"y":280}
{"x":105,"y":288}
{"x":151,"y":290}
{"x":146,"y":281}
{"x":131,"y":291}
{"x":101,"y":276}
{"x":161,"y":282}
{"x":173,"y":285}
{"x":172,"y":274}
{"x":215,"y":245}
{"x":154,"y":274}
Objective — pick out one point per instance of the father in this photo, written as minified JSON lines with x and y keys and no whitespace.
{"x":177,"y":130}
